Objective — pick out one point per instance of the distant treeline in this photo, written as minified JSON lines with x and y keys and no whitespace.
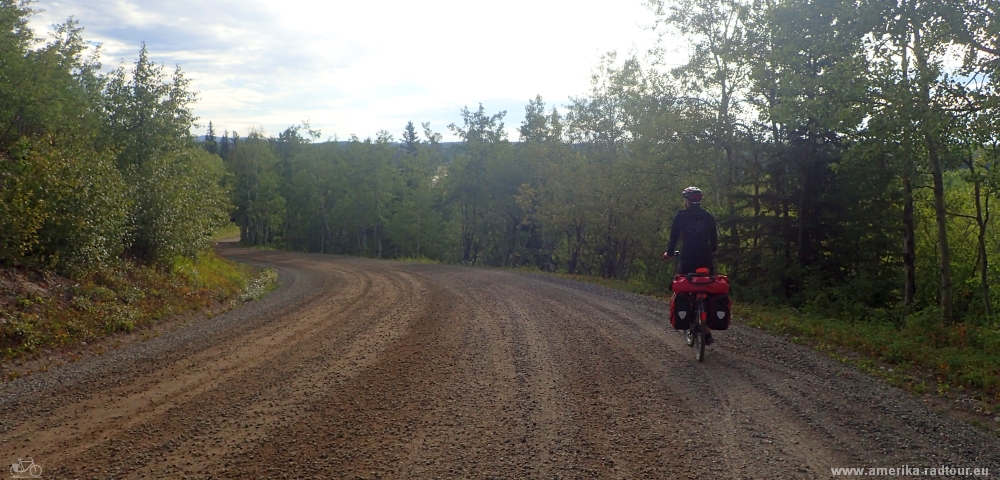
{"x":96,"y":169}
{"x":848,"y":149}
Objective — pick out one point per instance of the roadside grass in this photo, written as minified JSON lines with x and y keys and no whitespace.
{"x":229,"y":231}
{"x":39,"y":310}
{"x":633,"y":286}
{"x":420,"y":259}
{"x":922,"y":354}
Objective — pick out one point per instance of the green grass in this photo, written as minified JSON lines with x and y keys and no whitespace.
{"x":420,"y":259}
{"x":921,"y":354}
{"x":122,"y":299}
{"x":229,"y":231}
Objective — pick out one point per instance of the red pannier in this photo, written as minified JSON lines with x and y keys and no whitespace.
{"x":719,"y":308}
{"x":681,"y":310}
{"x":710,"y":284}
{"x":685,"y":287}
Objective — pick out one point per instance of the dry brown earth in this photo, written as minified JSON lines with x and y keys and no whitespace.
{"x":360,"y":368}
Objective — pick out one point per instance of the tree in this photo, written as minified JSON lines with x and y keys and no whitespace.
{"x":210,"y":144}
{"x":720,"y":35}
{"x":410,"y":139}
{"x":52,"y":89}
{"x":224,"y":145}
{"x":180,"y":204}
{"x":432,"y":137}
{"x":147,"y":112}
{"x":483,"y":136}
{"x":259,"y":207}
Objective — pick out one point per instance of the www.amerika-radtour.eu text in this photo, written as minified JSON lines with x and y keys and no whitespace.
{"x":908,"y":471}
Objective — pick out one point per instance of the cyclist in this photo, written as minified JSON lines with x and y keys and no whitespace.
{"x":699,"y":236}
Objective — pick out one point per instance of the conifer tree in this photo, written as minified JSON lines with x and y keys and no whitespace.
{"x":210,"y":144}
{"x":410,"y":139}
{"x":224,"y":146}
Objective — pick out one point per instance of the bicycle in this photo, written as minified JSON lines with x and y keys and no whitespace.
{"x":701,"y":287}
{"x":25,"y":469}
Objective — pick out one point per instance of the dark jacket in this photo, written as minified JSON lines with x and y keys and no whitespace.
{"x":698,"y":230}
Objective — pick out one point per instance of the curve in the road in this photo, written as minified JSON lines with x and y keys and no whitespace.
{"x":378,"y":369}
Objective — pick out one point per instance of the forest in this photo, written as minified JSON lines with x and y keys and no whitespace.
{"x":848,"y":150}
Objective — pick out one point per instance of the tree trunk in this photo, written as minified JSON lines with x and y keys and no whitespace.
{"x":909,"y":222}
{"x":909,"y":245}
{"x":937,"y":173}
{"x":982,"y":220}
{"x":942,"y":226}
{"x":574,"y":240}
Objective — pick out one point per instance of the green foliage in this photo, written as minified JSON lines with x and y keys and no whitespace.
{"x":256,"y":190}
{"x":49,"y":89}
{"x":954,"y":355}
{"x":61,"y":207}
{"x":92,"y":166}
{"x":180,"y":203}
{"x":148,"y":114}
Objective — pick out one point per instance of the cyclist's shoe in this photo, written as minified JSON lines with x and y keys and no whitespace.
{"x":709,"y":340}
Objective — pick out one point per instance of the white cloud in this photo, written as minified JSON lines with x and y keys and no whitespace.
{"x":358,"y":67}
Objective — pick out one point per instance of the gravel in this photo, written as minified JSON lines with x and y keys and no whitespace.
{"x":360,"y":368}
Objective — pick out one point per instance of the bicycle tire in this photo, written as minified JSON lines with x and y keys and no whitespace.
{"x":699,"y":345}
{"x":699,"y":330}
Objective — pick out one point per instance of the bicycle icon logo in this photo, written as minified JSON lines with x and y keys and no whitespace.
{"x":25,"y":469}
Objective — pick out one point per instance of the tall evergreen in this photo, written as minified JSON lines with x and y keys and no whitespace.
{"x":410,"y":139}
{"x":210,"y":144}
{"x":224,"y":145}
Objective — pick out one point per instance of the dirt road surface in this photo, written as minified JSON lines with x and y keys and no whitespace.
{"x":359,"y":368}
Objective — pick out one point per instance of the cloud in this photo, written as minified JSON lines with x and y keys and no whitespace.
{"x":358,"y":67}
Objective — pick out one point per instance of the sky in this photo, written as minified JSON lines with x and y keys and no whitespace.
{"x":357,"y":67}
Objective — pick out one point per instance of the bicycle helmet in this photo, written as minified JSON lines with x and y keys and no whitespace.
{"x":693,"y":194}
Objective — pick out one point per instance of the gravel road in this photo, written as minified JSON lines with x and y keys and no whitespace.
{"x":359,"y":368}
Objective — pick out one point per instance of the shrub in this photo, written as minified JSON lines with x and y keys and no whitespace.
{"x":62,"y":207}
{"x":180,"y":204}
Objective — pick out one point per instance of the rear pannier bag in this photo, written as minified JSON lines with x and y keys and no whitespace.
{"x":719,"y":312}
{"x":712,"y":285}
{"x":681,"y":310}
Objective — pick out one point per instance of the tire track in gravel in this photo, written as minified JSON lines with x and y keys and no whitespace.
{"x":727,"y":404}
{"x":360,"y":368}
{"x":246,"y":413}
{"x":155,"y":394}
